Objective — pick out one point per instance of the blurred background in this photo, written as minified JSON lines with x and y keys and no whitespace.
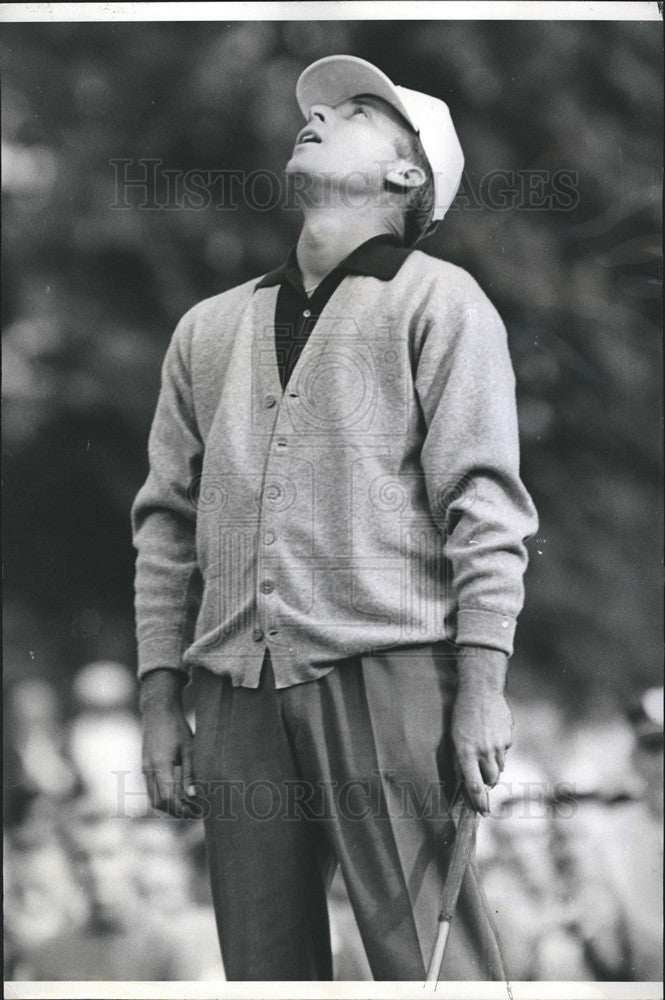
{"x":91,"y":296}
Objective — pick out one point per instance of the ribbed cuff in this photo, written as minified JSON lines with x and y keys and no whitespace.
{"x":485,"y":628}
{"x":163,"y":653}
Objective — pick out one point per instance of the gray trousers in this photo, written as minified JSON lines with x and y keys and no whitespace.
{"x":351,"y":769}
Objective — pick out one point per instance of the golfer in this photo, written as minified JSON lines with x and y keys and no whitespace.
{"x":331,"y":540}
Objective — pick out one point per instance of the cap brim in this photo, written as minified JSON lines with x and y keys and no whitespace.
{"x":334,"y":79}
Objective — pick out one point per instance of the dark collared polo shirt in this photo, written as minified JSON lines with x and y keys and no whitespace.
{"x":296,"y":314}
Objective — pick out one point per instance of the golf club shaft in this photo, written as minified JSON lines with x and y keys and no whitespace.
{"x":438,"y":953}
{"x":462,"y":848}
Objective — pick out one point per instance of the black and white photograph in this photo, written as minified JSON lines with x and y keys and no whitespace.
{"x":332,"y":422}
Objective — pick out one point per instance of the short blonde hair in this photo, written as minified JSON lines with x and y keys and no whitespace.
{"x":420,"y":203}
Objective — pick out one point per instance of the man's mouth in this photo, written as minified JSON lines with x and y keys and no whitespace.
{"x":308,"y":135}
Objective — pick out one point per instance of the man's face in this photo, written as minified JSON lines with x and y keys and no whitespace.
{"x":350,"y":145}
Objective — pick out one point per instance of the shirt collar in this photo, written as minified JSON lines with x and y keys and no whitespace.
{"x":379,"y":257}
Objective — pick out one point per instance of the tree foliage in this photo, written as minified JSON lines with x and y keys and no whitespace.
{"x":92,"y":294}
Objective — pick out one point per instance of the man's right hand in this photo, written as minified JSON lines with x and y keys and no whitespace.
{"x":167,"y":743}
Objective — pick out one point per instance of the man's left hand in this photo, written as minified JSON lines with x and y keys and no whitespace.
{"x":482,"y":722}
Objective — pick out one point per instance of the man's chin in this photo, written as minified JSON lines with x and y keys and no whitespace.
{"x":298,"y":163}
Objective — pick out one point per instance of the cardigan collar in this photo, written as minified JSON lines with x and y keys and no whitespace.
{"x":379,"y":257}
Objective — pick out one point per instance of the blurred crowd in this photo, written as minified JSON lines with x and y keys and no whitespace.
{"x":97,"y":885}
{"x":100,"y":887}
{"x":572,"y":857}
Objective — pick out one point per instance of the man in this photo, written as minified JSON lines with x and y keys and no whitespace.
{"x":616,"y":859}
{"x":115,"y":937}
{"x":332,"y":534}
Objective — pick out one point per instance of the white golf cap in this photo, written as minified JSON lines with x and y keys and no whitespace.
{"x":334,"y":79}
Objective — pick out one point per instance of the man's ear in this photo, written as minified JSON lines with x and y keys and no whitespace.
{"x":404,"y":174}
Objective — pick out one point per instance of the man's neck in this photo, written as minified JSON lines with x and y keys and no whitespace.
{"x":328,"y":237}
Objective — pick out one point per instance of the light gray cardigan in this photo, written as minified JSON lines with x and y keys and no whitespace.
{"x":375,"y":503}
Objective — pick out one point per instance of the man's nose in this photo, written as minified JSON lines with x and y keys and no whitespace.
{"x":321,"y":111}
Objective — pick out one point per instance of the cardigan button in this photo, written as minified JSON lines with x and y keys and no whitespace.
{"x":267,"y":587}
{"x":270,"y":401}
{"x":257,"y":634}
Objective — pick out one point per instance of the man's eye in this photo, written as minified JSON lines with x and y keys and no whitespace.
{"x":359,"y":111}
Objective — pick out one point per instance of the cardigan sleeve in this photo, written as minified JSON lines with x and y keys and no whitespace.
{"x":163,"y":518}
{"x":470,"y":457}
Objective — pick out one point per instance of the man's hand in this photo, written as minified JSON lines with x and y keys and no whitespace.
{"x":482,"y":723}
{"x":167,"y":743}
